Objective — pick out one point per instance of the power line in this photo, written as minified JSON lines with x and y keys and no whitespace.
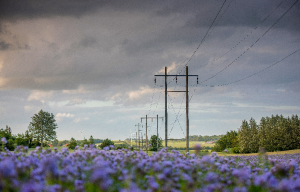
{"x":248,"y":35}
{"x":250,"y":45}
{"x":203,"y":39}
{"x":261,"y":70}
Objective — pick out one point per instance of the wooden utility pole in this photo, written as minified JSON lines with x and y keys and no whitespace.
{"x":142,"y":141}
{"x":157,"y":133}
{"x":187,"y":109}
{"x":146,"y":136}
{"x":166,"y":109}
{"x":187,"y":105}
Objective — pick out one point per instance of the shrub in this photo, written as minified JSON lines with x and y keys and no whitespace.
{"x":106,"y":143}
{"x":72,"y":143}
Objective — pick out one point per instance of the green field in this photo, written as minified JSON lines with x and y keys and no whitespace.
{"x":191,"y":144}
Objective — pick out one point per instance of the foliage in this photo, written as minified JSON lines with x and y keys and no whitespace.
{"x":205,"y":138}
{"x":230,"y":140}
{"x":98,"y":140}
{"x":72,"y":144}
{"x":274,"y":133}
{"x":6,"y":133}
{"x":91,"y":140}
{"x":90,"y":169}
{"x":84,"y":142}
{"x":42,"y":127}
{"x":63,"y":142}
{"x":55,"y":143}
{"x":106,"y":143}
{"x":153,"y":142}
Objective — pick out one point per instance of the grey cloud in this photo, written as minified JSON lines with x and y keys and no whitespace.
{"x":88,"y":42}
{"x":76,"y":102}
{"x":29,"y":9}
{"x":4,"y":46}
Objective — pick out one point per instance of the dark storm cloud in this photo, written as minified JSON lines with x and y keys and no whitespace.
{"x":242,"y":12}
{"x":30,"y":9}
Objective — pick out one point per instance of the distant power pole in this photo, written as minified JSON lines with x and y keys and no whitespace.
{"x":136,"y":140}
{"x":146,"y":129}
{"x":142,"y":141}
{"x":139,"y":135}
{"x":187,"y":105}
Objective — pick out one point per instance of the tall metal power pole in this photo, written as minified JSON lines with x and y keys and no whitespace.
{"x":187,"y":104}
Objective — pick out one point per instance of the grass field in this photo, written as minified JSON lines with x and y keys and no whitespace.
{"x":191,"y":144}
{"x":179,"y":144}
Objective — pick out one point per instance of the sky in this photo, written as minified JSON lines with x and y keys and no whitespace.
{"x":92,"y":64}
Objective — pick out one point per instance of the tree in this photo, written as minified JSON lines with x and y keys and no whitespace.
{"x":254,"y":140}
{"x":84,"y":142}
{"x":8,"y":137}
{"x":106,"y":143}
{"x":72,"y":143}
{"x":230,"y":140}
{"x":43,"y":127}
{"x":91,"y":140}
{"x":244,"y":137}
{"x":55,"y":143}
{"x":153,"y":142}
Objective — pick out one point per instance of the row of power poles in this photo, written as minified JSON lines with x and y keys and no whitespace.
{"x":187,"y":103}
{"x":166,"y":110}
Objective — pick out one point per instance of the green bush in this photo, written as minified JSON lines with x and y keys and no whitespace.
{"x":72,"y":143}
{"x":236,"y":150}
{"x":106,"y":143}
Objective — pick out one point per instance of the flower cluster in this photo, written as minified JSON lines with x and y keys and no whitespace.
{"x":91,"y":169}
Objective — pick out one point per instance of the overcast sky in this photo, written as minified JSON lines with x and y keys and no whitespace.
{"x":92,"y":64}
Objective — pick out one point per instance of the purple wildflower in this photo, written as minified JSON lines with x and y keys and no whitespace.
{"x":3,"y":140}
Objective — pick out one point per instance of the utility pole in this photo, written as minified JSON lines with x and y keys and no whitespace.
{"x":136,"y":140}
{"x":142,"y":141}
{"x":187,"y":105}
{"x":146,"y":129}
{"x":187,"y":109}
{"x":139,"y":135}
{"x":131,"y":138}
{"x":157,"y":133}
{"x":166,"y":109}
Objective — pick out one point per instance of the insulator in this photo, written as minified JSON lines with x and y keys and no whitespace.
{"x":176,"y":79}
{"x":155,"y":80}
{"x":197,"y":80}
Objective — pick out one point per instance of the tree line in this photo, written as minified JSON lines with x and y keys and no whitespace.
{"x":275,"y":133}
{"x":41,"y":132}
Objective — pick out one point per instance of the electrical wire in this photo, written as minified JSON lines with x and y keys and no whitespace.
{"x":251,"y":44}
{"x":203,"y":39}
{"x":261,"y":70}
{"x":248,"y":35}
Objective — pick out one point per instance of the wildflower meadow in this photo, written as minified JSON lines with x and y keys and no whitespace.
{"x":91,"y":169}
